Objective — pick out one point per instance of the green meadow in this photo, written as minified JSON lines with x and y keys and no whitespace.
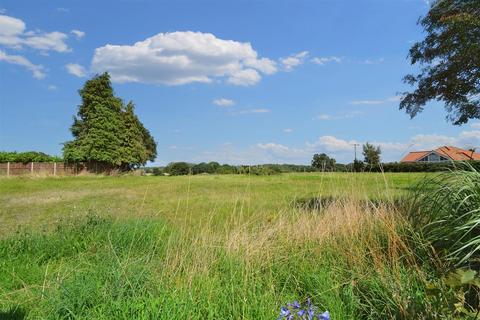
{"x":208,"y":247}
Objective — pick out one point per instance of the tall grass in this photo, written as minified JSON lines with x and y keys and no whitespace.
{"x":446,"y":210}
{"x":348,"y":258}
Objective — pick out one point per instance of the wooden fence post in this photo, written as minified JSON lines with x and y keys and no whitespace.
{"x":54,"y":168}
{"x":31,"y":167}
{"x":8,"y":169}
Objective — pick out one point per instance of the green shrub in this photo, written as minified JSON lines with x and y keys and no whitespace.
{"x":29,"y":156}
{"x":263,"y":170}
{"x":157,"y":171}
{"x":178,"y":168}
{"x":203,"y":167}
{"x":226,"y":169}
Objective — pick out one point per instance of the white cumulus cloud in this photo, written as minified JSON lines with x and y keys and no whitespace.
{"x":51,"y":41}
{"x":324,"y":117}
{"x":372,"y":61}
{"x":224,"y":102}
{"x":76,"y":70}
{"x":183,"y":57}
{"x":465,"y":139}
{"x":391,"y":99}
{"x":13,"y":35}
{"x":331,"y":143}
{"x":294,"y":60}
{"x":38,"y":71}
{"x":246,"y":77}
{"x":324,"y":60}
{"x":10,"y":31}
{"x":78,"y":34}
{"x":277,"y":150}
{"x":348,"y":115}
{"x":276,"y":147}
{"x":253,"y":111}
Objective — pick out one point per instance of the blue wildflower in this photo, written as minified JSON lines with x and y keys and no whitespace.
{"x":311,"y":313}
{"x":284,"y":312}
{"x":309,"y":303}
{"x":304,"y":311}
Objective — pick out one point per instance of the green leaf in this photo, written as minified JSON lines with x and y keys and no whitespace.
{"x":460,"y":277}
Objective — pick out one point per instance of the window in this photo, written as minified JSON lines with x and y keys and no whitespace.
{"x":433,"y":157}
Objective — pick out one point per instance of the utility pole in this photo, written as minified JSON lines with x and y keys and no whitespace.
{"x":355,"y":145}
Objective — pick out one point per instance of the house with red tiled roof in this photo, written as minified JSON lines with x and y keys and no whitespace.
{"x":445,"y":153}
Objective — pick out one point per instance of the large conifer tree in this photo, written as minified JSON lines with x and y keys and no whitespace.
{"x":107,"y":132}
{"x":138,"y":143}
{"x":146,"y":138}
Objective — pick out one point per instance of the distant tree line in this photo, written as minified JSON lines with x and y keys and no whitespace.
{"x":320,"y":163}
{"x":29,"y":156}
{"x":185,"y":168}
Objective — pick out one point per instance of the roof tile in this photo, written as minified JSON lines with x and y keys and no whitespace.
{"x":453,"y":153}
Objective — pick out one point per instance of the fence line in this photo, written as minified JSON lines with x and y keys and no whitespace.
{"x":31,"y":168}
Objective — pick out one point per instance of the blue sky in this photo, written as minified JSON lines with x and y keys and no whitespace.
{"x":229,"y":81}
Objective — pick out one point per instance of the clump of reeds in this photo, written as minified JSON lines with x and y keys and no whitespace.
{"x":445,"y":209}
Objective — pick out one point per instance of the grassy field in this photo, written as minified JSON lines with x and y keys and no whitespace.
{"x":206,"y":247}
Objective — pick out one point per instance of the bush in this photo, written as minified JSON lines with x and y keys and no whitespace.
{"x":226,"y":169}
{"x":274,"y":168}
{"x":204,"y":167}
{"x":157,"y":171}
{"x":263,"y":170}
{"x":29,"y":156}
{"x":178,"y":168}
{"x":339,"y":167}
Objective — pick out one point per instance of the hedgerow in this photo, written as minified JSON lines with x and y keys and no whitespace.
{"x":29,"y":156}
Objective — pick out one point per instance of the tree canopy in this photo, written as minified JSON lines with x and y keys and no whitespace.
{"x":371,"y":154}
{"x":449,"y":61}
{"x":107,"y":131}
{"x":323,"y":162}
{"x":178,"y":168}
